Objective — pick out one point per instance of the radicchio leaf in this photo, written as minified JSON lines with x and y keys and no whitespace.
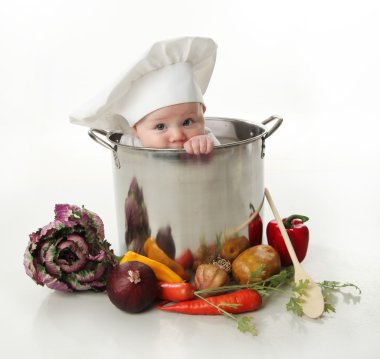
{"x":70,"y":253}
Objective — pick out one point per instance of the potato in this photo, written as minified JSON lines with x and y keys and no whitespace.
{"x":250,"y":260}
{"x":232,"y":247}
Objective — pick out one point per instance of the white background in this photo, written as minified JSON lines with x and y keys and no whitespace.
{"x":314,"y":63}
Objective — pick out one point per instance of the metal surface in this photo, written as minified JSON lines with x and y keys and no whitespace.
{"x":275,"y":126}
{"x":197,"y":196}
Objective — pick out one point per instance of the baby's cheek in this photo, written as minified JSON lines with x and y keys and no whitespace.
{"x":198,"y":131}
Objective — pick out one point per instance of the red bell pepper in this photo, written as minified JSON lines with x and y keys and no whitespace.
{"x":255,"y":229}
{"x":298,"y":234}
{"x":175,"y":292}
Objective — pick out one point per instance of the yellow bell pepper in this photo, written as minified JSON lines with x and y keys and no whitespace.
{"x":153,"y":251}
{"x":162,"y":272}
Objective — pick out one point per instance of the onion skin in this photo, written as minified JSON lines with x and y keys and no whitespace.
{"x":132,"y":287}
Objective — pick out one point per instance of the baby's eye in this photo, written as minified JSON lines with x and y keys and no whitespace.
{"x":160,"y":126}
{"x":187,"y":122}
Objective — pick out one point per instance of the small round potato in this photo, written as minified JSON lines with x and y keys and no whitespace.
{"x":232,"y":247}
{"x":252,"y":258}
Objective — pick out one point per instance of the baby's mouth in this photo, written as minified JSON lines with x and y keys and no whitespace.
{"x":177,"y":145}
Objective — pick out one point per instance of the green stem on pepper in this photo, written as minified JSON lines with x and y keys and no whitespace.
{"x":289,"y":220}
{"x":252,"y":208}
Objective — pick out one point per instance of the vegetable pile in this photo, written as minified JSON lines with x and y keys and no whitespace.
{"x":229,"y":277}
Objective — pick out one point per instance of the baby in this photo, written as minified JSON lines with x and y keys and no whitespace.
{"x":176,"y":126}
{"x":158,"y":102}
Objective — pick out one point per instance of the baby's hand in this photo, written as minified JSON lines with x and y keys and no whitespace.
{"x":197,"y":145}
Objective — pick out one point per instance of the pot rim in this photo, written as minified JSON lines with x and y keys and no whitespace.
{"x":111,"y":134}
{"x":114,"y":145}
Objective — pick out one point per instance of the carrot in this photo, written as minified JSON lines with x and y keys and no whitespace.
{"x":240,"y":301}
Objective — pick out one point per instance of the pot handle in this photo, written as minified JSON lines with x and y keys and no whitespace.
{"x":274,"y":127}
{"x":98,"y":135}
{"x":94,"y":134}
{"x":270,"y":131}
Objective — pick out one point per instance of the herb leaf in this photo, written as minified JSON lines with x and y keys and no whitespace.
{"x":284,"y":277}
{"x":300,"y":287}
{"x":329,"y":307}
{"x":295,"y":305}
{"x":282,"y":283}
{"x":229,"y":305}
{"x":245,"y":325}
{"x":331,"y":287}
{"x":255,"y":276}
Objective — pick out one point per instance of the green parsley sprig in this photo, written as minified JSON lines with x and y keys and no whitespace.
{"x":282,"y":283}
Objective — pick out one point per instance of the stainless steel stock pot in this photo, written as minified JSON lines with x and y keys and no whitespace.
{"x":196,"y":197}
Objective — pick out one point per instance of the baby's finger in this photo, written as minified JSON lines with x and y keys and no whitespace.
{"x":206,"y":145}
{"x":203,"y":144}
{"x":210,"y":145}
{"x":195,"y":145}
{"x":188,"y":147}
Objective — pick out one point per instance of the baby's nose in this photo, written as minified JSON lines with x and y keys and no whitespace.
{"x":177,"y":134}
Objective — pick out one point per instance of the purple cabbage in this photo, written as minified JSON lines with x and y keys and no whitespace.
{"x":70,"y":253}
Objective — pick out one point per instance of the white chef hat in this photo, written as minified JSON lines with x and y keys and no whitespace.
{"x":171,"y":72}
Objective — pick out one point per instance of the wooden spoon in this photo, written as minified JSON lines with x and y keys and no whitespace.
{"x":313,"y":305}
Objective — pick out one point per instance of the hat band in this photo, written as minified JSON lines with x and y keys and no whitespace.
{"x":169,"y":85}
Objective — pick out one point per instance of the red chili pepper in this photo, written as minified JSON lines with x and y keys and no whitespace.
{"x":241,"y":301}
{"x":298,"y":234}
{"x":186,"y":259}
{"x":175,"y":292}
{"x":255,"y":229}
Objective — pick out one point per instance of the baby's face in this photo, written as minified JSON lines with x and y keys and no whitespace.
{"x":172,"y":126}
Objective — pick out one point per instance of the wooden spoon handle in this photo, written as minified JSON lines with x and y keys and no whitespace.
{"x":278,"y":218}
{"x":252,"y":217}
